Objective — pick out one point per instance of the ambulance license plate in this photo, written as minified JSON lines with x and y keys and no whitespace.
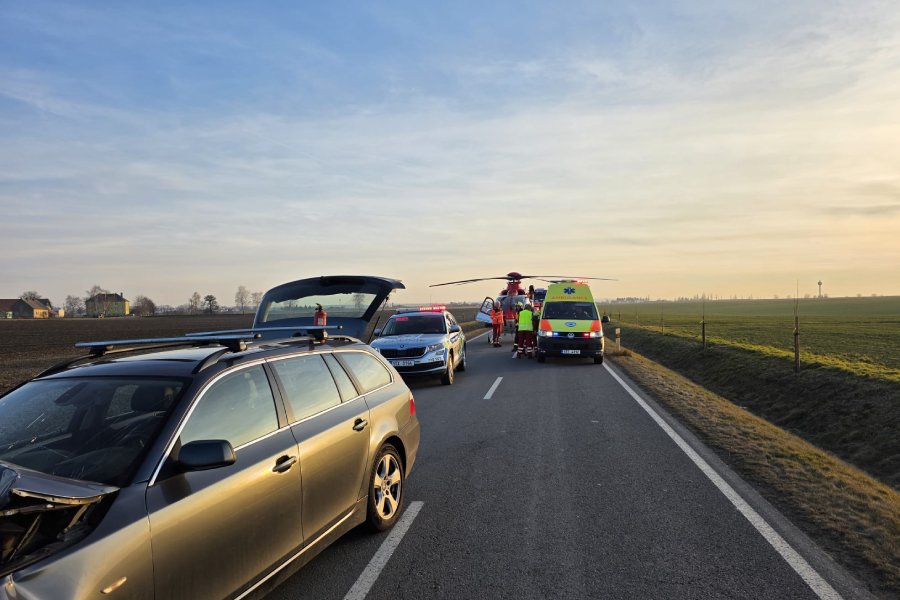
{"x":402,"y":363}
{"x":571,"y":351}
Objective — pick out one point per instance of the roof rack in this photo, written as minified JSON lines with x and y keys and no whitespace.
{"x":232,"y":343}
{"x":307,"y":329}
{"x":235,"y":343}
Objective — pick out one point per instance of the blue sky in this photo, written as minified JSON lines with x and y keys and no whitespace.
{"x":727,"y":148}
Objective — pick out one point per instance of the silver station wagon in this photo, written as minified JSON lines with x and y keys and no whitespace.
{"x":207,"y":466}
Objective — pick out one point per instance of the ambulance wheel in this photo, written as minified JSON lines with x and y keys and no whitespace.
{"x":541,"y":357}
{"x":462,"y":362}
{"x":447,"y":377}
{"x":598,"y":360}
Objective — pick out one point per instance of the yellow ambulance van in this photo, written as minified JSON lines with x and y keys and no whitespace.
{"x":570,"y":324}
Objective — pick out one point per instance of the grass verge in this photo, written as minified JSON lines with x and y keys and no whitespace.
{"x":853,"y":416}
{"x":853,"y":516}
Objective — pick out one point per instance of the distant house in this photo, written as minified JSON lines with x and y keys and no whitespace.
{"x":16,"y":308}
{"x":6,"y":308}
{"x":107,"y":305}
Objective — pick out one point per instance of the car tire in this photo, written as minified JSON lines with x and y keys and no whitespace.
{"x":385,"y":489}
{"x":462,"y":361}
{"x":447,"y":377}
{"x":598,"y":360}
{"x":541,"y":358}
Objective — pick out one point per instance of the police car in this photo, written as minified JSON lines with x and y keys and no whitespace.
{"x":423,"y":341}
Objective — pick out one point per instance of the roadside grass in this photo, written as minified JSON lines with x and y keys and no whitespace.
{"x":854,"y":416}
{"x":852,"y":515}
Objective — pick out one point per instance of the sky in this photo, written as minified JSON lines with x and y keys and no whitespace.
{"x":726,"y":148}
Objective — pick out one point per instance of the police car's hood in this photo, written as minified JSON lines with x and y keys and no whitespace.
{"x":408,"y":340}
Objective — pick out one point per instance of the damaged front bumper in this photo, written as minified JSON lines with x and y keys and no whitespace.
{"x":41,"y":514}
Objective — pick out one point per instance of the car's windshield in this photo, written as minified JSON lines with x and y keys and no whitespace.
{"x":95,"y":429}
{"x":420,"y":324}
{"x":569,"y":310}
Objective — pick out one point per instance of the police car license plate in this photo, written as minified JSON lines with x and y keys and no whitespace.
{"x":571,"y":351}
{"x":402,"y":363}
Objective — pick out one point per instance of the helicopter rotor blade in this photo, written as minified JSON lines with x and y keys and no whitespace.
{"x":521,"y":277}
{"x":565,"y":277}
{"x":468,"y":281}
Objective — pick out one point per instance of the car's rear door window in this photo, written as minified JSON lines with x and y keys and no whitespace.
{"x":367,"y":369}
{"x":308,"y":385}
{"x":345,"y":386}
{"x":238,"y":408}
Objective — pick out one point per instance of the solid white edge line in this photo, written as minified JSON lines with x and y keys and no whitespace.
{"x":370,"y":574}
{"x":812,"y":578}
{"x":493,"y":389}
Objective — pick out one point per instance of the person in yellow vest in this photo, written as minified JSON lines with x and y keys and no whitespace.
{"x":526,"y":332}
{"x":497,"y":322}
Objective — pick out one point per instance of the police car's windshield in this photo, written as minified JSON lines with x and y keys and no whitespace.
{"x":417,"y":324}
{"x":570,"y":310}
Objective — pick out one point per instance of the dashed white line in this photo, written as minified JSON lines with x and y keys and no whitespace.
{"x":370,"y":574}
{"x":812,"y":578}
{"x":493,"y":389}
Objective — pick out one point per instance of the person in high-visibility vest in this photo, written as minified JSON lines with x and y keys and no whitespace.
{"x":497,"y":323}
{"x":526,"y":332}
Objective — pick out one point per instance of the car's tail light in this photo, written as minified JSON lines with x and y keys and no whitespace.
{"x":412,"y":405}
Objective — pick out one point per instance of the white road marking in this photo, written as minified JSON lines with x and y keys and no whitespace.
{"x":370,"y":574}
{"x":812,"y":578}
{"x":493,"y":389}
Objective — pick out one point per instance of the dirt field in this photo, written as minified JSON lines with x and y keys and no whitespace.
{"x":28,"y":346}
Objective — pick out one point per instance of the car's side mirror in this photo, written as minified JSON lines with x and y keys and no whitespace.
{"x":605,"y":319}
{"x":377,"y":332}
{"x":454,"y":328}
{"x":205,"y":454}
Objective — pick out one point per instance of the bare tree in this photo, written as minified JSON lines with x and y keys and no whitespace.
{"x":145,"y":305}
{"x":256,"y":298}
{"x":94,"y":291}
{"x":194,"y":303}
{"x":242,"y":298}
{"x":74,"y":306}
{"x":30,"y":295}
{"x":211,"y":304}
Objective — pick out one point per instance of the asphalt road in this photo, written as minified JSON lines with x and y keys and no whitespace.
{"x":561,"y":485}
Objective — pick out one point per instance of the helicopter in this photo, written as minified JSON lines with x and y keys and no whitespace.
{"x":514,"y":293}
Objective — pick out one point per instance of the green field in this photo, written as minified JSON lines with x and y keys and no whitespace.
{"x":846,"y":397}
{"x":859,"y":335}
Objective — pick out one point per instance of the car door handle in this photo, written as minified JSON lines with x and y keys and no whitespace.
{"x":359,"y":424}
{"x":284,"y":464}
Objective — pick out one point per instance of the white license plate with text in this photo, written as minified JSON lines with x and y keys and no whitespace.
{"x":403,"y":363}
{"x":571,"y":351}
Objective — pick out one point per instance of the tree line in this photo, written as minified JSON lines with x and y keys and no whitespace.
{"x":75,"y":306}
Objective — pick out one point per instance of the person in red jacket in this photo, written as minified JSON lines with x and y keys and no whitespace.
{"x":497,"y":323}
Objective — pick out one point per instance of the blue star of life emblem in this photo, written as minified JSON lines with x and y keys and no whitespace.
{"x":569,"y":290}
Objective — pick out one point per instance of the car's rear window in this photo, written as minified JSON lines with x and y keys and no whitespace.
{"x":95,"y":429}
{"x":577,"y":311}
{"x":367,"y":369}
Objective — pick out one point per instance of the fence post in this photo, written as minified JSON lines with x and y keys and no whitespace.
{"x":703,"y":323}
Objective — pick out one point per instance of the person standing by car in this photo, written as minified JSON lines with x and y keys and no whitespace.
{"x":526,"y":332}
{"x":497,"y":324}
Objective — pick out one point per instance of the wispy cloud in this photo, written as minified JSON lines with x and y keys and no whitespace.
{"x":697,"y":142}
